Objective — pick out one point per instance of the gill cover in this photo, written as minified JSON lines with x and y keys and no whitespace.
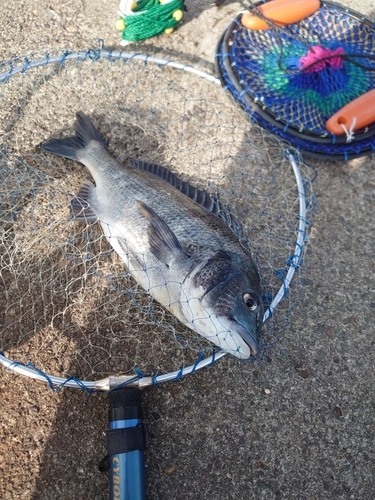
{"x":233,"y":295}
{"x":230,"y":310}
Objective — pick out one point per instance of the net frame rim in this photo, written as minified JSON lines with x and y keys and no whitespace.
{"x":139,"y":380}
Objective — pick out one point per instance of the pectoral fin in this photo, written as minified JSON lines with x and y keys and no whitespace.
{"x":163,"y":242}
{"x":80,"y":205}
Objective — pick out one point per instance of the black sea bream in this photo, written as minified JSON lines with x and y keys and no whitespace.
{"x":180,"y":251}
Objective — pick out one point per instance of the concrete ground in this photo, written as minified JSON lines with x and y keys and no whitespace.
{"x":219,"y":434}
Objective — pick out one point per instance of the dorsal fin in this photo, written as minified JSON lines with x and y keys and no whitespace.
{"x":201,"y":197}
{"x":206,"y":200}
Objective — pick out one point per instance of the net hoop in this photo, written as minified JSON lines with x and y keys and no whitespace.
{"x":293,"y":262}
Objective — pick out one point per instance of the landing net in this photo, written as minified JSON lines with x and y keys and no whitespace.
{"x":68,"y":305}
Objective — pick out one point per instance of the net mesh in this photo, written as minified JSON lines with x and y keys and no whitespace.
{"x":69,"y":306}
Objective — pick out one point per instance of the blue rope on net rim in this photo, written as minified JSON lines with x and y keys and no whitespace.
{"x":52,"y":385}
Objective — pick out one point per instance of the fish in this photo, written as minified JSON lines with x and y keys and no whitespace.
{"x":172,"y":240}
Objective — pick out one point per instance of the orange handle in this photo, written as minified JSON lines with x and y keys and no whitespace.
{"x":362,"y":108}
{"x":281,"y":12}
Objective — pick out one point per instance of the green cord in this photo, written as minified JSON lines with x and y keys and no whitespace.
{"x":156,"y":18}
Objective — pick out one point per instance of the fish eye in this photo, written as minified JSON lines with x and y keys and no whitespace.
{"x":249,"y":301}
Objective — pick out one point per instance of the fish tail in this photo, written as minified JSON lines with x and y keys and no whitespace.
{"x":70,"y":146}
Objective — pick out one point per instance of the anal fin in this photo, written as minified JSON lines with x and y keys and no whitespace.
{"x":80,"y":207}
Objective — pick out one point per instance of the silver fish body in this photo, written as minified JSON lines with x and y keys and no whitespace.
{"x":184,"y":255}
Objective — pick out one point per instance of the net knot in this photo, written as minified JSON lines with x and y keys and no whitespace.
{"x":26,"y":65}
{"x":200,"y":357}
{"x":349,"y":132}
{"x":319,"y":58}
{"x":281,"y":274}
{"x":63,"y":57}
{"x":294,"y":260}
{"x":267,"y":299}
{"x":139,"y":373}
{"x":179,"y":374}
{"x":94,"y":55}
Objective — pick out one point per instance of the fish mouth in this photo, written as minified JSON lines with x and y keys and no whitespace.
{"x":247,"y":337}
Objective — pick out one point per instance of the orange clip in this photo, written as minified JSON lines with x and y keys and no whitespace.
{"x":281,"y":12}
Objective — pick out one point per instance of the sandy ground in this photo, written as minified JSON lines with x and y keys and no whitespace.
{"x":299,"y":427}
